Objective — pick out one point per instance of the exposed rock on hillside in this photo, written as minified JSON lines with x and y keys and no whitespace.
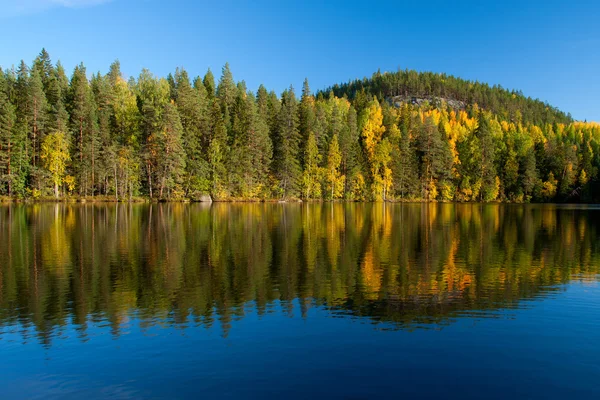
{"x":436,"y":101}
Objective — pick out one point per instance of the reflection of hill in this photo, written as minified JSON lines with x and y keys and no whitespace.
{"x":183,"y":264}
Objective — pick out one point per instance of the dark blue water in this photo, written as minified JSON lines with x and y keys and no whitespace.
{"x":311,"y":301}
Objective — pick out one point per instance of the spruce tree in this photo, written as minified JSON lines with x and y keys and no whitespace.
{"x":102,"y":95}
{"x":170,"y":165}
{"x":209,"y":84}
{"x":192,"y":105}
{"x":486,"y":157}
{"x":307,"y":115}
{"x":37,"y":115}
{"x":218,"y":153}
{"x":287,"y":145}
{"x":261,"y":147}
{"x":7,"y":132}
{"x":83,"y":129}
{"x":226,"y":95}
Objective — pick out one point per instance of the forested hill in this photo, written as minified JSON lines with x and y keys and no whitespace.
{"x":510,"y":105}
{"x":174,"y":138}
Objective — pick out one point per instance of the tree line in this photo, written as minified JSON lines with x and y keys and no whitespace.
{"x":178,"y":138}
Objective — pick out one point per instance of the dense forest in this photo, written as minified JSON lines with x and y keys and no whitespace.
{"x":177,"y":138}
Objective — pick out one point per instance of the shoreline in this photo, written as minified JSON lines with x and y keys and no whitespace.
{"x":146,"y":200}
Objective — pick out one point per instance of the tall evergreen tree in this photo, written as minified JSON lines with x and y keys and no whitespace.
{"x":209,"y":84}
{"x":307,"y":115}
{"x":192,"y":105}
{"x":287,"y":145}
{"x":486,"y":158}
{"x":7,"y":135}
{"x":83,"y":130}
{"x":218,"y":153}
{"x":313,"y":173}
{"x":226,"y":95}
{"x":261,"y":147}
{"x":102,"y":95}
{"x":170,"y":165}
{"x":43,"y":64}
{"x":37,"y":115}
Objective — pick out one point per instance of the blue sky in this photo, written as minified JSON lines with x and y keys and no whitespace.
{"x":548,"y":49}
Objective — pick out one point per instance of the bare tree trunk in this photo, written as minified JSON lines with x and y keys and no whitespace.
{"x":8,"y":168}
{"x":34,"y":131}
{"x":150,"y":179}
{"x":93,"y":166}
{"x":116,"y":184}
{"x":80,"y":152}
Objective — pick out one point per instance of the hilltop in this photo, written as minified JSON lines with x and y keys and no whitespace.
{"x":507,"y":104}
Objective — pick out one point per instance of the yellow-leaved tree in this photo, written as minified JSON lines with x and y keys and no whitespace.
{"x":378,"y":149}
{"x":372,"y":127}
{"x":335,"y":179}
{"x":312,"y":175}
{"x":55,"y":154}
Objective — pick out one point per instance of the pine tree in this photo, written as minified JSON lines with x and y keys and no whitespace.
{"x":170,"y":167}
{"x":58,"y":118}
{"x":226,"y":95}
{"x":261,"y":147}
{"x":529,"y":177}
{"x":102,"y":95}
{"x":192,"y":105}
{"x":273,"y":111}
{"x":405,"y":167}
{"x":7,"y":126}
{"x":114,"y":73}
{"x":37,"y":112}
{"x":83,"y":130}
{"x":218,"y":153}
{"x":152,"y":98}
{"x":307,"y":117}
{"x":436,"y":159}
{"x":43,"y":65}
{"x":209,"y":84}
{"x":313,"y":173}
{"x":511,"y":172}
{"x":287,"y":144}
{"x":240,"y":164}
{"x":486,"y":157}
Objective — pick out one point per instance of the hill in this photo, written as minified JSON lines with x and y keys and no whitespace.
{"x":510,"y":105}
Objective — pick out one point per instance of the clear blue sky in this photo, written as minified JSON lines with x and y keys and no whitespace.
{"x":548,"y":49}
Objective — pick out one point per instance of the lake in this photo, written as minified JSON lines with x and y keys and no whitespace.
{"x":299,"y":301}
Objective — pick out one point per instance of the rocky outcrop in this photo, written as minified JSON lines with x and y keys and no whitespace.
{"x":420,"y":100}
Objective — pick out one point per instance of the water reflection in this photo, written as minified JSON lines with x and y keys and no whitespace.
{"x":196,"y":265}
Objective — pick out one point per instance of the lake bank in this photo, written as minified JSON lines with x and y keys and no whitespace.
{"x":142,"y":199}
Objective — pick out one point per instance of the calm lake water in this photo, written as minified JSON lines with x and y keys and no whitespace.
{"x":299,"y":301}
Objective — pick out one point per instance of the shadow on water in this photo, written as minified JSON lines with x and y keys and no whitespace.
{"x":407,"y":265}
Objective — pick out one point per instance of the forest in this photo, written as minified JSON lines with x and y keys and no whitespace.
{"x":102,"y":136}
